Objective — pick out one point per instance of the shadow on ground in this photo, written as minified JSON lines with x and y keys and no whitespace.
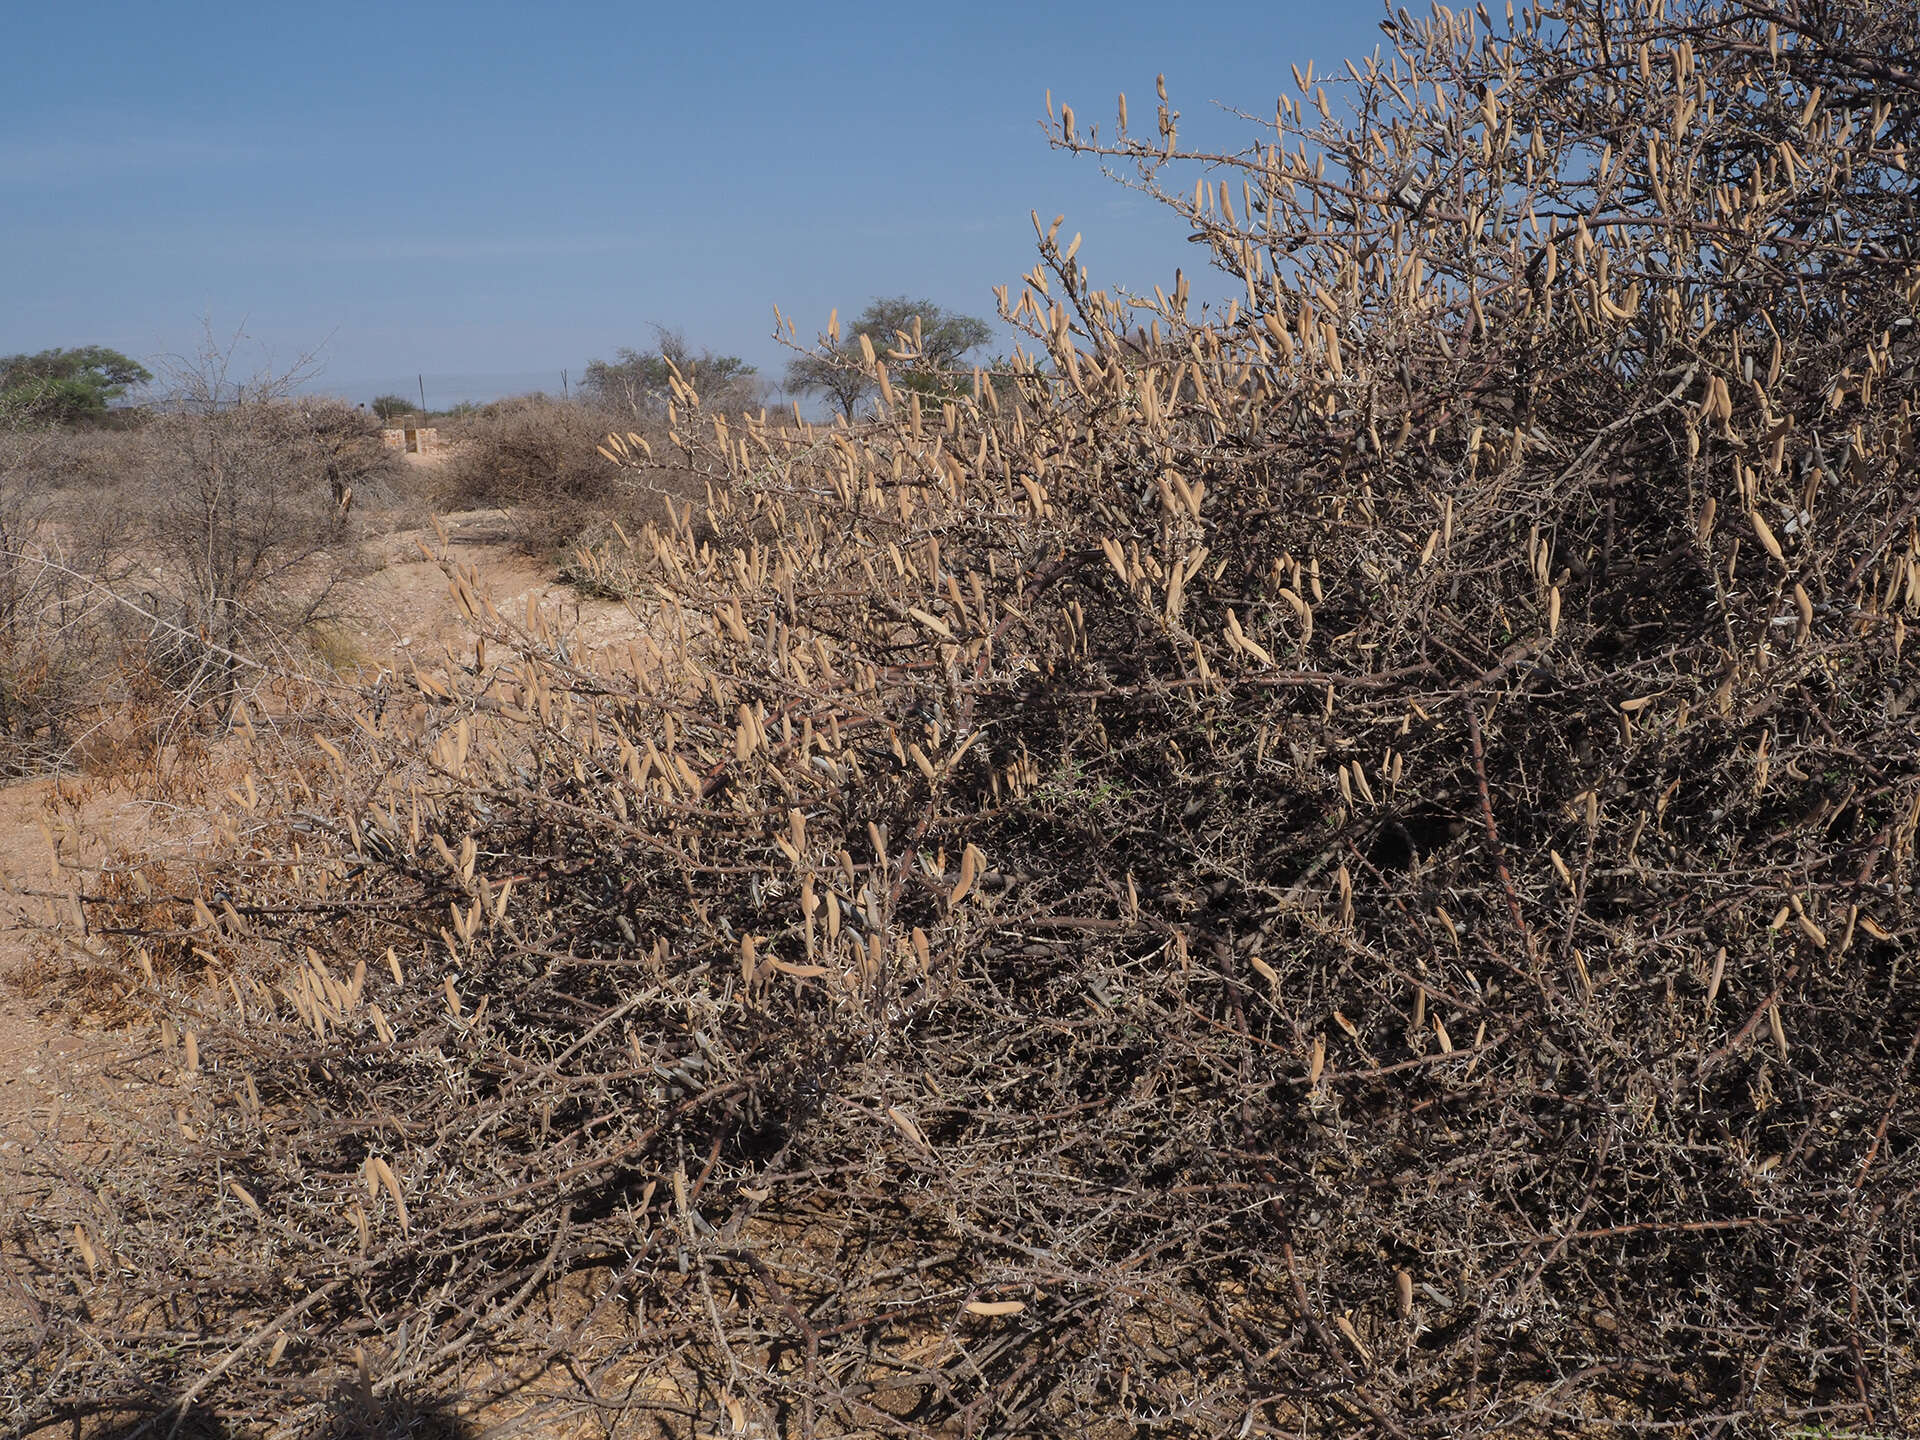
{"x":353,"y":1415}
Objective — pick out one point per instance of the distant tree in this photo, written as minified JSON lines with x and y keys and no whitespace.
{"x":638,"y":382}
{"x":392,"y":407}
{"x":942,"y":337}
{"x":836,"y":375}
{"x":65,"y":386}
{"x":936,"y":342}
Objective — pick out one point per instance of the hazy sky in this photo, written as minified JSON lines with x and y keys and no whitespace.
{"x":497,"y":191}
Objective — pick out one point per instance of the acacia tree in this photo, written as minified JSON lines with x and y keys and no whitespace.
{"x":924,"y":342}
{"x":66,"y":386}
{"x":639,"y":383}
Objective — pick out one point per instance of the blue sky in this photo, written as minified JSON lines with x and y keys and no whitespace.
{"x":499,"y":191}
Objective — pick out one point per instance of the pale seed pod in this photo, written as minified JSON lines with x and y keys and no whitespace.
{"x":1345,"y":1327}
{"x":903,"y":1122}
{"x":1764,"y":533}
{"x":1360,"y":783}
{"x":971,"y":863}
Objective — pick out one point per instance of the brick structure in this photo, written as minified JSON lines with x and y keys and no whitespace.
{"x":414,"y":440}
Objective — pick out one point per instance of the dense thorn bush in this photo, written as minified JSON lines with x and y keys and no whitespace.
{"x":1341,"y":865}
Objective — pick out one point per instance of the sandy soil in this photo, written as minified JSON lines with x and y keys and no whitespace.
{"x":402,"y":606}
{"x":396,"y":607}
{"x":43,"y":1056}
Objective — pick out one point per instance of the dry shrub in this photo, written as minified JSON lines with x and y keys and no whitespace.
{"x":1340,"y":868}
{"x":82,"y":461}
{"x":249,"y":506}
{"x":539,"y":458}
{"x":546,"y":462}
{"x":57,"y":646}
{"x":143,"y":570}
{"x":341,"y":445}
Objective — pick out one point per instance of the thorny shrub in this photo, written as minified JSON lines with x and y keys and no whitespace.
{"x":62,"y":648}
{"x":541,"y":460}
{"x":531,"y":451}
{"x":1341,"y":866}
{"x":142,"y":568}
{"x":546,"y":462}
